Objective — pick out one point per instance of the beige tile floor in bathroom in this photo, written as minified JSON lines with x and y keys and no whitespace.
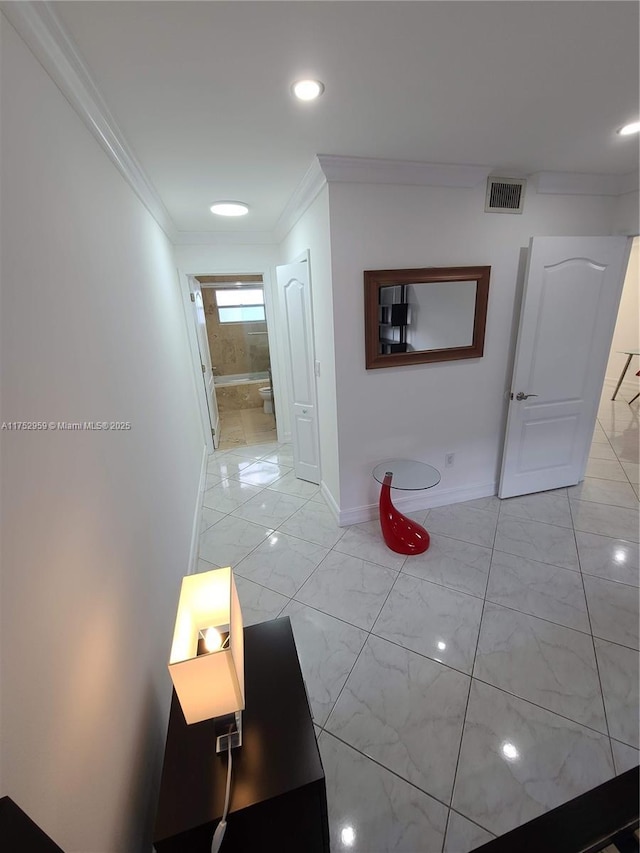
{"x":243,"y":427}
{"x":465,"y":691}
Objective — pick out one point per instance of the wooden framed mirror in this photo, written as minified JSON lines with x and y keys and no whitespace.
{"x":413,"y":316}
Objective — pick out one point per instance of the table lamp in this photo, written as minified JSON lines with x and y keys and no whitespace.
{"x":207,"y":654}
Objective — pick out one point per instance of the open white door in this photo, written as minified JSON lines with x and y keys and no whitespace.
{"x":294,"y":288}
{"x":569,"y":308}
{"x":205,"y":358}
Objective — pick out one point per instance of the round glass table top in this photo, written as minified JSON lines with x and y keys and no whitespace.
{"x":408,"y":474}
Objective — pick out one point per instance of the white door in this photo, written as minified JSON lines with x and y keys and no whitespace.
{"x":570,"y":302}
{"x":295,"y":297}
{"x":205,"y":358}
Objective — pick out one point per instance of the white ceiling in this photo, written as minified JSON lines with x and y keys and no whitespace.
{"x":201,"y":90}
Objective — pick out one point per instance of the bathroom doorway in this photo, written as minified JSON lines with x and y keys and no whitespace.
{"x":238,"y":338}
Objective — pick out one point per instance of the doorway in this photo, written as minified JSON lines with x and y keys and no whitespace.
{"x":238,"y":338}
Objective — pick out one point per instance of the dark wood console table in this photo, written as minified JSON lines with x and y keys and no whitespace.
{"x":278,"y":796}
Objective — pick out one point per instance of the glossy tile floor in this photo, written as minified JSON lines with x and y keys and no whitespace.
{"x":465,"y":691}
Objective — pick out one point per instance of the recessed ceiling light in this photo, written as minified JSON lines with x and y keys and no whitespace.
{"x":308,"y":90}
{"x":628,"y":129}
{"x":230,"y":208}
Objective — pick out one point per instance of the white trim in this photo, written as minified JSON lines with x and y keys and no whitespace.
{"x":419,"y":500}
{"x":45,"y":35}
{"x":192,"y":568}
{"x":331,"y":502}
{"x":304,"y":194}
{"x":372,"y":170}
{"x":576,"y":183}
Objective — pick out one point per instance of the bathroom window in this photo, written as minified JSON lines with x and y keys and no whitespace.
{"x":240,"y":305}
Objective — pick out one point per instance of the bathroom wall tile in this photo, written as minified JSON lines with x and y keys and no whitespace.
{"x":518,"y":761}
{"x":371,"y":809}
{"x":432,"y":620}
{"x":406,"y":712}
{"x":453,"y":563}
{"x":548,"y":664}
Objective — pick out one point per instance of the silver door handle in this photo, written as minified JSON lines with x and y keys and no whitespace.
{"x":522,"y":396}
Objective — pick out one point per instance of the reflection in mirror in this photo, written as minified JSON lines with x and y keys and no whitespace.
{"x":415,"y":316}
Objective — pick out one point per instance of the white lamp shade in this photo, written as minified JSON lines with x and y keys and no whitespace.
{"x":208,"y":685}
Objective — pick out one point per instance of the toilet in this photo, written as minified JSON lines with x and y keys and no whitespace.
{"x":267,"y":396}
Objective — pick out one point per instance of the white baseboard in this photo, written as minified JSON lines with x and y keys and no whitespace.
{"x":197,"y":517}
{"x":331,"y":502}
{"x":419,"y":500}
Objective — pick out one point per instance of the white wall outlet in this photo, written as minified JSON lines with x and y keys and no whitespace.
{"x":449,"y":459}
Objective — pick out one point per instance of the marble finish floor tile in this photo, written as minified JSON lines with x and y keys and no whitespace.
{"x":269,"y":508}
{"x":209,"y":517}
{"x":327,"y":648}
{"x":282,"y":563}
{"x":490,"y":504}
{"x":283,"y":455}
{"x":615,"y":521}
{"x":546,"y":543}
{"x":261,"y":473}
{"x":257,"y":451}
{"x":599,"y":450}
{"x":348,"y":588}
{"x":518,"y":761}
{"x":315,"y":523}
{"x":613,"y":559}
{"x":231,"y":539}
{"x":463,"y":836}
{"x":632,"y":470}
{"x":548,"y":507}
{"x":406,"y":712}
{"x":609,"y":492}
{"x":625,"y":444}
{"x":605,"y":469}
{"x":619,"y":675}
{"x":227,"y":465}
{"x":228,"y":495}
{"x":538,"y":589}
{"x":373,"y":811}
{"x":294,"y":486}
{"x":365,"y":541}
{"x":432,"y":620}
{"x":257,"y":603}
{"x":453,"y":563}
{"x":545,"y":663}
{"x":624,"y":757}
{"x":211,"y":480}
{"x":477,"y":526}
{"x":613,"y":608}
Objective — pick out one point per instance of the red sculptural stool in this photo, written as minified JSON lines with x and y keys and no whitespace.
{"x":400,"y":533}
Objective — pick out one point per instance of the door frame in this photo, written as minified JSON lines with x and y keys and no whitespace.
{"x":279,"y":385}
{"x":196,"y":363}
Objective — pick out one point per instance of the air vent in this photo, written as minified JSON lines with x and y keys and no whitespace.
{"x":505,"y":195}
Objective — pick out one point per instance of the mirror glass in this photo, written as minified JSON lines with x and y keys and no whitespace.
{"x":415,"y":316}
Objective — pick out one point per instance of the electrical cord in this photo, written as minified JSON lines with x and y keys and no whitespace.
{"x":218,"y":835}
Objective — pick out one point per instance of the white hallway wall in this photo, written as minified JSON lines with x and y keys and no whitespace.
{"x":426,"y":411}
{"x":96,"y":525}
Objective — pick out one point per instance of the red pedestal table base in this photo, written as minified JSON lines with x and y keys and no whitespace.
{"x":401,"y":534}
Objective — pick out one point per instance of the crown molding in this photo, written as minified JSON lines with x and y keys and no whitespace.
{"x":577,"y":183}
{"x":39,"y":26}
{"x":378,"y":171}
{"x":224,"y":238}
{"x":304,"y":194}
